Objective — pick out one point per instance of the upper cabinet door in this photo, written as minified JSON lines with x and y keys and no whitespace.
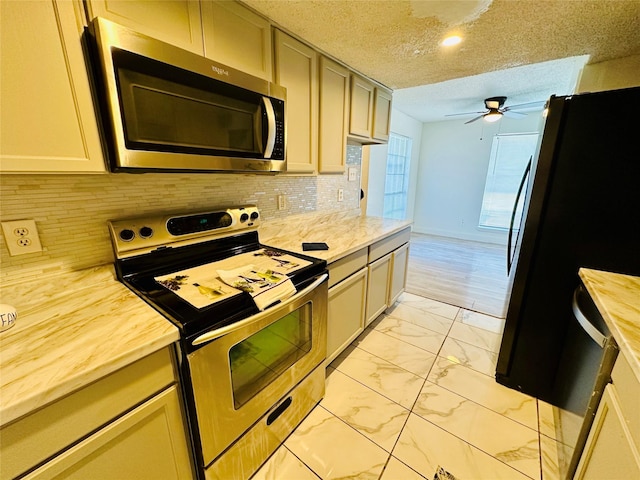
{"x":296,"y":70}
{"x":382,"y":115}
{"x":47,"y":115}
{"x":173,"y":21}
{"x":361,"y":117}
{"x":237,"y":37}
{"x":334,"y":116}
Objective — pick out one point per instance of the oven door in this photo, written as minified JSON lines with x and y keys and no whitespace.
{"x":244,"y":369}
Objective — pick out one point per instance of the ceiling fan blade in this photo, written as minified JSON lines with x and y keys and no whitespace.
{"x":539,"y":104}
{"x":460,"y":114}
{"x":474,"y":119}
{"x":510,"y":114}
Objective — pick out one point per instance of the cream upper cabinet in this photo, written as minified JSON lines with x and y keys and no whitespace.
{"x":173,"y":21}
{"x":370,"y":115}
{"x":46,"y":110}
{"x":361,"y":114}
{"x":296,"y":70}
{"x":381,"y":114}
{"x":237,"y":37}
{"x":334,"y":116}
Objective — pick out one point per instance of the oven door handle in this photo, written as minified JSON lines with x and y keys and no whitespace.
{"x":213,"y":334}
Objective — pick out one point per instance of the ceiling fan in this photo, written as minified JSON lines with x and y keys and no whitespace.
{"x":496,"y":109}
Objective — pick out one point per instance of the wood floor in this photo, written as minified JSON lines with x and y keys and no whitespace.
{"x":463,"y":273}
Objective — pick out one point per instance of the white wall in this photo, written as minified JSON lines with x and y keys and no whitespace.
{"x":453,"y":166}
{"x":401,"y":124}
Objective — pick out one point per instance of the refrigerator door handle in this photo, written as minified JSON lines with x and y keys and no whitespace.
{"x":586,"y":325}
{"x":513,"y":213}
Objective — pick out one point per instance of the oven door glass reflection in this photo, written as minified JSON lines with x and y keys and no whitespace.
{"x":262,"y":357}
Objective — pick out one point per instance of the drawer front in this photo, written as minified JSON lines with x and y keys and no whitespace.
{"x":245,"y":456}
{"x":389,"y":244}
{"x":341,"y":269}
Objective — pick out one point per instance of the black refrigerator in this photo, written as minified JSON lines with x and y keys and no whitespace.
{"x":582,"y":209}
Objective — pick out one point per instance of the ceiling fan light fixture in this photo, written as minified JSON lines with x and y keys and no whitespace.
{"x":451,"y":40}
{"x":493,"y":116}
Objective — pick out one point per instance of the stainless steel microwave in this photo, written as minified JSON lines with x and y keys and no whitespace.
{"x":167,"y":109}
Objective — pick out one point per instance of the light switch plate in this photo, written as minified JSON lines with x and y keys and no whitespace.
{"x":352,"y":174}
{"x":21,"y":236}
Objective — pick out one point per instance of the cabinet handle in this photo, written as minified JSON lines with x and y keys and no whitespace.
{"x":584,"y":322}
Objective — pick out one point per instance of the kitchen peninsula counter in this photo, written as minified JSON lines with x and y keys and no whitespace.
{"x":72,"y":330}
{"x":344,"y":232}
{"x":617,"y":297}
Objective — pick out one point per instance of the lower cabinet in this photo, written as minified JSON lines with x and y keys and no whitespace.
{"x":146,"y":443}
{"x":128,"y":424}
{"x":612,"y":450}
{"x":347,"y":302}
{"x":378,"y":288}
{"x":362,"y":286}
{"x":398,"y":280}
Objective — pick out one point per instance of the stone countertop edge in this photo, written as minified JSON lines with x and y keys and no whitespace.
{"x":344,"y":233}
{"x":617,"y":297}
{"x":72,"y":330}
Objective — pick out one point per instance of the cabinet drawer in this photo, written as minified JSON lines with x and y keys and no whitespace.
{"x":389,"y":244}
{"x":341,"y":269}
{"x":29,"y":441}
{"x":628,"y":390}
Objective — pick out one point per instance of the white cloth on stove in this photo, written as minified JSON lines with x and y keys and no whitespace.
{"x":266,"y":287}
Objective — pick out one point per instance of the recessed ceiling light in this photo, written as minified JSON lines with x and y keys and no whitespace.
{"x":451,"y":40}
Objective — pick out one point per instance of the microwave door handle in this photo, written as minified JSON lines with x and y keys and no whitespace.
{"x":513,"y":214}
{"x":271,"y":125}
{"x":219,"y":332}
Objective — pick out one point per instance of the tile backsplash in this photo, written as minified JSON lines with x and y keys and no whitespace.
{"x":71,"y":211}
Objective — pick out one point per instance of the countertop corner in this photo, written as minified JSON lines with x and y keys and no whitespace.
{"x":72,"y":330}
{"x":617,"y":297}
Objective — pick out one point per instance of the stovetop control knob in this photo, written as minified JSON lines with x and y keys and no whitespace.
{"x":254,"y":215}
{"x":146,"y":232}
{"x":127,"y":235}
{"x":244,"y":217}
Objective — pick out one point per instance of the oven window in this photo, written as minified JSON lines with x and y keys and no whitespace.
{"x":262,"y":357}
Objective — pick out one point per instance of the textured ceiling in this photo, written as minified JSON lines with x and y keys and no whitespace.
{"x":396,"y":42}
{"x":525,"y":50}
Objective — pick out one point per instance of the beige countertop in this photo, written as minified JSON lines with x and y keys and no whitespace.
{"x":617,"y":297}
{"x":343,"y":232}
{"x":72,"y":330}
{"x":75,"y":328}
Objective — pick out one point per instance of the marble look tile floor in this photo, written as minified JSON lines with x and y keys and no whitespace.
{"x":415,"y":393}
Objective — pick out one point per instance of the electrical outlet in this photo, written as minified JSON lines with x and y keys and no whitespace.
{"x":340,"y":194}
{"x":21,"y":236}
{"x":281,"y":202}
{"x":352,"y":174}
